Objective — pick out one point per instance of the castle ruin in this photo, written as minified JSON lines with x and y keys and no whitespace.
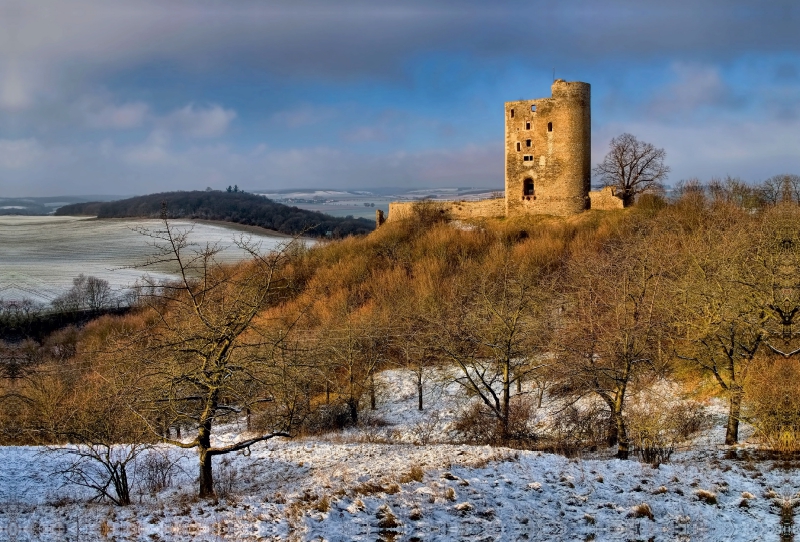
{"x":547,"y":160}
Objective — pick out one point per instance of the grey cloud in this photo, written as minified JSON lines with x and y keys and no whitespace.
{"x":75,"y":38}
{"x":695,"y":87}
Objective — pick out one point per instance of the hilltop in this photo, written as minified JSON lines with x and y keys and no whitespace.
{"x":237,"y":207}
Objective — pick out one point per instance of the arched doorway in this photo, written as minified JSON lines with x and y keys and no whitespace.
{"x":527,"y":188}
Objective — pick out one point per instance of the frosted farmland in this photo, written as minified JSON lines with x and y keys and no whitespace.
{"x":40,"y":255}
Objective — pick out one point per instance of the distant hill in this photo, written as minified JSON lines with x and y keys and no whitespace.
{"x":38,"y":206}
{"x":238,"y":207}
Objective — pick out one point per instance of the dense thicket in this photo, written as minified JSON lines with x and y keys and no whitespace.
{"x":597,"y":314}
{"x":238,"y":207}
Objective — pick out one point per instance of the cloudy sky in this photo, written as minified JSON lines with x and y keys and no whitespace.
{"x":136,"y":96}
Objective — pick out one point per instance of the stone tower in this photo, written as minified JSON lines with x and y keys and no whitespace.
{"x":548,"y":152}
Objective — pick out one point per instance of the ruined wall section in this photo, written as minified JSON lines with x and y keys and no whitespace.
{"x":605,"y":199}
{"x":548,"y":152}
{"x":460,"y":210}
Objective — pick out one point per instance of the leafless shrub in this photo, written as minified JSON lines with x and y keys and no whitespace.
{"x":333,"y":417}
{"x":427,"y":427}
{"x":478,"y":424}
{"x":156,"y":471}
{"x":372,"y":428}
{"x":576,"y":428}
{"x":226,"y":479}
{"x":103,"y":468}
{"x":426,"y":213}
{"x":655,"y":427}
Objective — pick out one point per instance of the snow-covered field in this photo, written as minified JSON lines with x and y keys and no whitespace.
{"x":42,"y":254}
{"x":358,"y":485}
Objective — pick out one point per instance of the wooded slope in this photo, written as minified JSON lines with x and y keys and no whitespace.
{"x":238,"y":207}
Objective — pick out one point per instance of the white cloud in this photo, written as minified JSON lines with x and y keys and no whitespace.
{"x":199,"y":122}
{"x":695,"y":86}
{"x":17,"y":154}
{"x":124,"y":116}
{"x":153,"y":151}
{"x":305,"y":115}
{"x":749,"y":149}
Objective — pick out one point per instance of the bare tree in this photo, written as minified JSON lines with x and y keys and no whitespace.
{"x":355,"y":347}
{"x":210,"y":351}
{"x":781,"y":188}
{"x":87,"y":293}
{"x":726,"y":297}
{"x":492,"y":331}
{"x":632,"y":166}
{"x":613,"y":327}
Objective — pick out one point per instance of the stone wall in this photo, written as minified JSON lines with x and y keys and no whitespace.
{"x":605,"y":199}
{"x":459,"y":210}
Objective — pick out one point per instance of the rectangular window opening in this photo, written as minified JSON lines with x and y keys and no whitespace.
{"x":527,"y":142}
{"x":512,"y":113}
{"x":528,"y":125}
{"x":549,"y":126}
{"x":527,"y":158}
{"x":519,"y":146}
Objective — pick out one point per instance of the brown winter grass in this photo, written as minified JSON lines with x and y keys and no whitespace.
{"x":360,"y":282}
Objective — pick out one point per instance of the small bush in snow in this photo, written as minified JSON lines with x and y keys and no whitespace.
{"x":642,"y":510}
{"x":386,"y":519}
{"x":463,"y":507}
{"x":416,"y":474}
{"x":327,"y":418}
{"x":707,"y":497}
{"x":392,"y":489}
{"x":323,"y":505}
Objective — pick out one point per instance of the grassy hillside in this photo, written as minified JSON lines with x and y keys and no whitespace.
{"x":238,"y":207}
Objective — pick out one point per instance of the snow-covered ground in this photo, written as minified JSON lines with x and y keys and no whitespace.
{"x":41,"y":255}
{"x":375,"y":484}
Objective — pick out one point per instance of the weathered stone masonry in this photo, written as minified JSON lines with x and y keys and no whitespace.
{"x":548,"y":145}
{"x":548,"y":152}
